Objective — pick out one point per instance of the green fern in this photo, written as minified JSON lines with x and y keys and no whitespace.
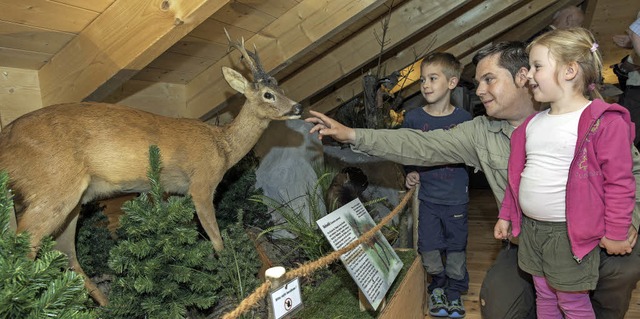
{"x":238,"y":263}
{"x":308,"y":238}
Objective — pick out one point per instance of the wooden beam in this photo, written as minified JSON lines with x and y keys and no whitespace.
{"x":589,"y":8}
{"x":526,"y":29}
{"x":294,"y":34}
{"x":449,"y":32}
{"x":117,"y":44}
{"x":500,"y":26}
{"x":348,"y":57}
{"x":464,"y":50}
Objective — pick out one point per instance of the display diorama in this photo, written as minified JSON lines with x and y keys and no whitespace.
{"x":160,"y":262}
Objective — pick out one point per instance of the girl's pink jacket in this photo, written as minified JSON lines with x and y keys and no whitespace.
{"x":600,"y":188}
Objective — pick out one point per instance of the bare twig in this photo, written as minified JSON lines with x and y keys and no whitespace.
{"x":382,"y":41}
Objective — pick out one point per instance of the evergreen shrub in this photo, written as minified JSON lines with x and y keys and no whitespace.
{"x":163,"y":266}
{"x":38,"y":288}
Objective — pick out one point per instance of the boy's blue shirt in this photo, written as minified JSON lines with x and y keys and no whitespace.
{"x":447,"y":184}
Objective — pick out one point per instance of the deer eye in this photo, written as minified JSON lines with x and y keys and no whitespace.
{"x":268,"y":96}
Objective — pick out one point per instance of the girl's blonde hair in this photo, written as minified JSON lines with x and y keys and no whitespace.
{"x":575,"y":45}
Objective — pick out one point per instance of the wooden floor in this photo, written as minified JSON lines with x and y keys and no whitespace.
{"x":482,"y":250}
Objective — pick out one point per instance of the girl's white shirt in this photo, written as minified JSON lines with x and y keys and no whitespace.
{"x":550,"y":146}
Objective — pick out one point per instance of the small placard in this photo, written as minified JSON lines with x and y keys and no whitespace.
{"x":373,"y":265}
{"x":287,"y":299}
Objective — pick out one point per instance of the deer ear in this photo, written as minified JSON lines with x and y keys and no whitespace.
{"x":235,"y":79}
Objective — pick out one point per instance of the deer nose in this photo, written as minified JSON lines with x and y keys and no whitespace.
{"x":297,"y":109}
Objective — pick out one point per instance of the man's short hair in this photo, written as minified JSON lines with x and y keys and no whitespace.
{"x":451,"y":67}
{"x":513,"y":55}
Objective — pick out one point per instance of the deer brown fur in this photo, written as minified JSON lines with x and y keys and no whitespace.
{"x":64,"y":155}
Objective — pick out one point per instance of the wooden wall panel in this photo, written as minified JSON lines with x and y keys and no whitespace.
{"x":347,"y":57}
{"x":197,"y":47}
{"x":213,"y":31}
{"x":117,"y":44}
{"x":243,"y":16}
{"x":159,"y":98}
{"x":93,"y":5}
{"x":532,"y":25}
{"x":151,"y":74}
{"x":449,"y":32}
{"x":46,"y":14}
{"x":294,"y":34}
{"x":274,"y":8}
{"x":23,"y":59}
{"x":27,"y":38}
{"x":19,"y":93}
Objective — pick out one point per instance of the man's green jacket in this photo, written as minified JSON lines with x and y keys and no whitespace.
{"x":482,"y":143}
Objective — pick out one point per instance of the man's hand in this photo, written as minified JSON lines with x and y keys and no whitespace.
{"x":326,"y":126}
{"x":502,"y":230}
{"x":615,"y":247}
{"x":412,"y":179}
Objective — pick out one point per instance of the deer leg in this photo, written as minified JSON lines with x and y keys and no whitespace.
{"x":47,"y":214}
{"x":203,"y":202}
{"x":45,"y":211}
{"x":38,"y":225}
{"x":65,"y":242}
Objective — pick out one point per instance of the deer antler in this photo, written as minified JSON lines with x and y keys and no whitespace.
{"x":252,"y":60}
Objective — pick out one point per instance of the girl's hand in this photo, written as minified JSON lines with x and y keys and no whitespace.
{"x":616,"y":247}
{"x":412,"y":179}
{"x":327,"y":126}
{"x":632,"y":236}
{"x":502,"y":230}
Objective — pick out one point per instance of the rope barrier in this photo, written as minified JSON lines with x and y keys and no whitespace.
{"x":310,"y":266}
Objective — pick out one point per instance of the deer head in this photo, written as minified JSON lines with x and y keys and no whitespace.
{"x":264,"y":94}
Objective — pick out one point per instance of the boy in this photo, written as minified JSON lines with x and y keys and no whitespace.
{"x":443,"y":195}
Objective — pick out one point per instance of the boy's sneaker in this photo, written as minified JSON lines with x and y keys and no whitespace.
{"x":456,"y":309}
{"x":438,"y":303}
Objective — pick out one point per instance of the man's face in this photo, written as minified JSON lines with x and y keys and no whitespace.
{"x":434,"y":84}
{"x":500,"y":95}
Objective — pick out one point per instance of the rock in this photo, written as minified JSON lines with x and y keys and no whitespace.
{"x":287,"y":157}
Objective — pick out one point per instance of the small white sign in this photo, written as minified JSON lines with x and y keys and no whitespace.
{"x":287,"y":299}
{"x":373,"y":265}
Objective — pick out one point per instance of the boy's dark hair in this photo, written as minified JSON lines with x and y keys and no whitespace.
{"x":451,"y":67}
{"x":513,"y":55}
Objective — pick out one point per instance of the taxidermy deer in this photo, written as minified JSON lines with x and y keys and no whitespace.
{"x":64,"y":155}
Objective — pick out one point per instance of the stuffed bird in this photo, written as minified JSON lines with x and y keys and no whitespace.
{"x":396,"y":118}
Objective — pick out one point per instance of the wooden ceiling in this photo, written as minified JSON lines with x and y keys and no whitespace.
{"x":111,"y":50}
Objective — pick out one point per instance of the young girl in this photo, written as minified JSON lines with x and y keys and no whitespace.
{"x":570,"y":190}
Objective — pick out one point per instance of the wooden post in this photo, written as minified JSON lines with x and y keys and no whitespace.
{"x":274,"y":274}
{"x":404,"y":233}
{"x":415,"y":211}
